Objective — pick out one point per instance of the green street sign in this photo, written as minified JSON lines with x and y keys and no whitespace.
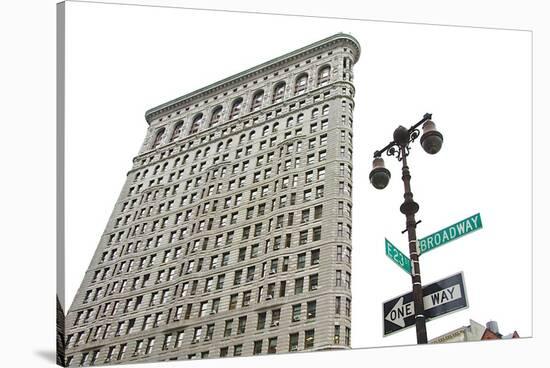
{"x":398,"y":257}
{"x":450,"y":233}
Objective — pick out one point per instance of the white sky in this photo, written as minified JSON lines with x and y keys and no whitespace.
{"x":124,"y":60}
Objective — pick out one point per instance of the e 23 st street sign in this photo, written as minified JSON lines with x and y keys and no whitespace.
{"x":398,"y":257}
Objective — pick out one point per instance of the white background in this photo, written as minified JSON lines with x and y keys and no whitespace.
{"x":403,"y":93}
{"x":476,"y":82}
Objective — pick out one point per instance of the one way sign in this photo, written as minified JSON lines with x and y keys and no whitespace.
{"x":440,"y":298}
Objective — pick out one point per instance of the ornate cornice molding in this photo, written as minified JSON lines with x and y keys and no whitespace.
{"x":190,"y":98}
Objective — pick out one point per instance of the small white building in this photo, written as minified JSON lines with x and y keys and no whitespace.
{"x":474,"y":332}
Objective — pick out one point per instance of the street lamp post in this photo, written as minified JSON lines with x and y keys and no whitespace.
{"x":431,"y":141}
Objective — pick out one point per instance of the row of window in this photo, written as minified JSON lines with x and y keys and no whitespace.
{"x":256,"y":102}
{"x":222,"y":240}
{"x":170,"y":255}
{"x":239,"y":126}
{"x":186,"y":267}
{"x":247,"y":151}
{"x":175,"y":340}
{"x":205,"y":307}
{"x":154,"y":320}
{"x":199,"y":225}
{"x":227,"y":144}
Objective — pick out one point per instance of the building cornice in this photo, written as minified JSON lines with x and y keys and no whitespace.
{"x":227,"y":83}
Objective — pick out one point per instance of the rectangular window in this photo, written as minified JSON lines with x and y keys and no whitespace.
{"x":301,"y":261}
{"x":238,"y":350}
{"x":219,"y":283}
{"x":317,"y":233}
{"x":309,"y":339}
{"x":242,"y":254}
{"x":167,"y":340}
{"x":272,"y":345}
{"x":285,"y":263}
{"x":237,"y":277}
{"x":261,"y":321}
{"x":313,"y":282}
{"x":293,"y":341}
{"x":250,"y":273}
{"x":241,"y":326}
{"x":228,"y":327}
{"x":247,"y":295}
{"x":225,"y":259}
{"x":315,"y":254}
{"x":298,"y":286}
{"x":348,"y":280}
{"x":257,"y":347}
{"x":348,"y":255}
{"x":275,"y":317}
{"x":215,"y":306}
{"x":338,"y":253}
{"x":296,"y":312}
{"x":305,"y":215}
{"x":303,"y":237}
{"x":150,"y":344}
{"x":233,"y":301}
{"x":311,"y":309}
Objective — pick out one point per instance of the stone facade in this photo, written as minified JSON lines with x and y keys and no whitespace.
{"x":232,"y":233}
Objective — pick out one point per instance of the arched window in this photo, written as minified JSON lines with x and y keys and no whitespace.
{"x":301,"y":84}
{"x":236,"y":108}
{"x":251,"y":135}
{"x":216,"y":116}
{"x":265,"y":130}
{"x":324,"y":76}
{"x":289,"y":122}
{"x":279,"y":92}
{"x":197,"y":121}
{"x":314,"y":113}
{"x":158,"y":138}
{"x":300,"y":119}
{"x":241,"y":139}
{"x":257,"y":99}
{"x":228,"y":143}
{"x":275,"y":127}
{"x":177,"y":130}
{"x":325,"y":110}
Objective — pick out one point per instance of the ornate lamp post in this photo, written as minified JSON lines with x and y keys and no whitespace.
{"x":431,"y":141}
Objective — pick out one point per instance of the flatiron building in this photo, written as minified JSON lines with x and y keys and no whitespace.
{"x":232,"y":233}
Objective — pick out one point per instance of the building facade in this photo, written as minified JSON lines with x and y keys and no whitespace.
{"x":232,"y":233}
{"x":474,"y":332}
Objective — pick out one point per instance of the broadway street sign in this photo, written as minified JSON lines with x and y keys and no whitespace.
{"x":440,"y":298}
{"x":450,"y":233}
{"x":398,"y":257}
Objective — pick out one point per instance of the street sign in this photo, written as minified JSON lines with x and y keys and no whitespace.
{"x":398,"y":257}
{"x":440,"y":298}
{"x":450,"y":233}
